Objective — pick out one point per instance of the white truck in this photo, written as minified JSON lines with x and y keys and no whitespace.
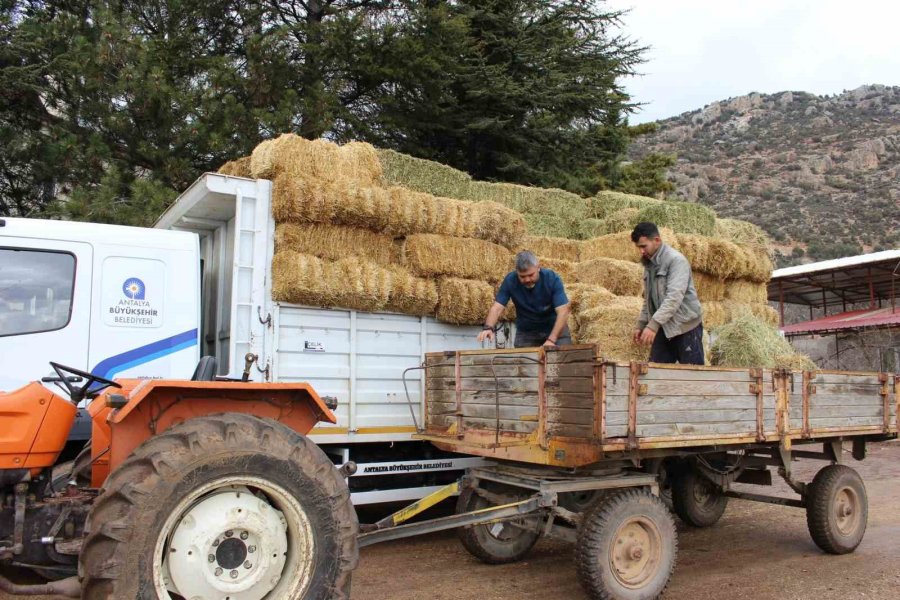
{"x":132,"y":302}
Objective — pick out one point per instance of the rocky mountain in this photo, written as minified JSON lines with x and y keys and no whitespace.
{"x":821,"y":174}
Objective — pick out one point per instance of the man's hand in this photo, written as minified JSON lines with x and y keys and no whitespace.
{"x":636,"y":337}
{"x":647,"y":336}
{"x":549,"y":344}
{"x":486,"y":334}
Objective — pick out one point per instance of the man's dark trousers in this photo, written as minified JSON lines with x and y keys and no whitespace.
{"x":686,"y":348}
{"x":530,"y":339}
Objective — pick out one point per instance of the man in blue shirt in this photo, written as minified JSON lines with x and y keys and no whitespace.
{"x":542,"y":308}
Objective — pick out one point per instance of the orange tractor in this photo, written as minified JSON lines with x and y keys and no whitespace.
{"x":188,"y":489}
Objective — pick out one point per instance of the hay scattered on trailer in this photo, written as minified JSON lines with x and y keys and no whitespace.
{"x":463,"y":301}
{"x":742,"y":232}
{"x":237,"y":168}
{"x":430,"y":255}
{"x":335,"y":242}
{"x":750,"y":342}
{"x":611,"y":326}
{"x":621,"y":277}
{"x":607,"y":202}
{"x":411,"y":295}
{"x":750,"y":292}
{"x":320,"y":159}
{"x":392,"y":211}
{"x":348,"y":283}
{"x":709,"y":288}
{"x":620,"y":247}
{"x":553,"y":247}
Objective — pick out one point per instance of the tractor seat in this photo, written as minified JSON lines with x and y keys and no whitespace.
{"x":206,"y":369}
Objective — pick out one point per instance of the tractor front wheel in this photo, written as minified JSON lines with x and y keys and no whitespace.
{"x":226,"y":506}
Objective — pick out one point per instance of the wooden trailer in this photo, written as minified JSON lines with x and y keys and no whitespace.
{"x":601,"y":453}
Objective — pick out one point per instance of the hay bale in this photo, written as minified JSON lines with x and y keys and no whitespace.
{"x":683,"y":217}
{"x":411,"y":295}
{"x":607,"y":202}
{"x":564,"y":268}
{"x":320,"y":159}
{"x":553,"y":247}
{"x":620,"y":246}
{"x":348,"y":283}
{"x":430,"y":255}
{"x":586,"y":229}
{"x":611,"y":327}
{"x":725,"y":259}
{"x":237,"y":168}
{"x":621,"y":277}
{"x":335,"y":242}
{"x":695,"y":250}
{"x":531,"y":200}
{"x":709,"y":288}
{"x":621,"y":220}
{"x":749,"y":342}
{"x":750,"y":292}
{"x":742,"y":232}
{"x":392,"y":211}
{"x":583,"y":296}
{"x":548,"y":226}
{"x":423,"y":175}
{"x":716,"y":314}
{"x":463,"y":301}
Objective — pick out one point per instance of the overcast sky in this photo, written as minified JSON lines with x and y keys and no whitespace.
{"x":707,"y":50}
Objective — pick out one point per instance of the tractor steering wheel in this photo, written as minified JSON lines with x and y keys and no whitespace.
{"x":78,"y":393}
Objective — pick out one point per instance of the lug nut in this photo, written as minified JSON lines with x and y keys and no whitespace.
{"x":248,"y":564}
{"x":229,"y":533}
{"x":244,"y":535}
{"x":218,"y":571}
{"x":251,"y":549}
{"x":211,"y":558}
{"x":215,"y":543}
{"x":234,"y":574}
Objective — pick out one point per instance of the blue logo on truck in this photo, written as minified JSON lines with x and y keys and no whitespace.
{"x":113,"y":365}
{"x":134,"y":288}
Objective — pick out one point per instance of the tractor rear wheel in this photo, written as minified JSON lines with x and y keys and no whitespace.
{"x":225,"y":506}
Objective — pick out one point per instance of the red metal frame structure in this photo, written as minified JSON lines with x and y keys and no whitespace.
{"x":855,"y":293}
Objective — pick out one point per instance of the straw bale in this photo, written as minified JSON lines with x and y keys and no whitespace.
{"x":749,"y":342}
{"x":607,"y":202}
{"x":392,"y":211}
{"x":335,"y":242}
{"x":463,"y":301}
{"x":709,"y":288}
{"x":583,"y":296}
{"x":620,"y":246}
{"x":430,"y":255}
{"x":553,"y":247}
{"x":588,"y":228}
{"x":320,"y":159}
{"x":423,"y":175}
{"x":348,"y":283}
{"x":564,"y":268}
{"x":237,"y":168}
{"x":695,"y":250}
{"x":621,"y":277}
{"x":742,"y":290}
{"x":411,"y":295}
{"x":621,"y":220}
{"x":742,"y":232}
{"x":725,"y":259}
{"x":611,"y":327}
{"x":716,"y":314}
{"x":545,"y":225}
{"x":683,"y":217}
{"x":531,"y":200}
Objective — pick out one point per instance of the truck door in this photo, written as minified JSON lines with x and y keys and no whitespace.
{"x":45,"y":307}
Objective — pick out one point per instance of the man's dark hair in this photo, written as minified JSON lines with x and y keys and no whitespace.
{"x":645,"y":229}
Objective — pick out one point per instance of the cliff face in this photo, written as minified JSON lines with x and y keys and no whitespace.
{"x":821,"y":174}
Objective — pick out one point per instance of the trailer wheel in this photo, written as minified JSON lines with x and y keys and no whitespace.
{"x":695,"y":499}
{"x":225,"y":506}
{"x":627,"y":547}
{"x":496,"y":543}
{"x":837,"y":509}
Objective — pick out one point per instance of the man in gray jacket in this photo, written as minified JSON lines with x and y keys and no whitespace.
{"x":670,"y":302}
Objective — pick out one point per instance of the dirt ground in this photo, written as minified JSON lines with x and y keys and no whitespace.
{"x":756,"y":552}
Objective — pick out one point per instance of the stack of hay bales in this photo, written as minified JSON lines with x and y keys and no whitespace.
{"x":376,"y":230}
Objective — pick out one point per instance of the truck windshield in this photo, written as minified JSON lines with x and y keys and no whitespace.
{"x":35,"y":290}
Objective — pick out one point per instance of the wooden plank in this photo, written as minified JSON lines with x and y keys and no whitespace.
{"x":484,"y":411}
{"x":655,"y":403}
{"x":569,"y":384}
{"x":444,"y":421}
{"x":500,"y":370}
{"x":498,"y":358}
{"x":846,"y":379}
{"x":557,"y":399}
{"x":710,"y":429}
{"x":847,"y":389}
{"x":819,"y":412}
{"x":569,"y":354}
{"x":575,"y":416}
{"x":834,"y":400}
{"x":616,"y":403}
{"x":843,"y":422}
{"x":569,"y":430}
{"x":483,"y":397}
{"x":697,"y":388}
{"x":570,"y":370}
{"x":695,"y":375}
{"x":475,"y":384}
{"x":687,"y":417}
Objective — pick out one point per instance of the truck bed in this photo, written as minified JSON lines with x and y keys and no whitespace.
{"x":569,"y":407}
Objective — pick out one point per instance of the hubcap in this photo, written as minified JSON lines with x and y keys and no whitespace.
{"x":636,"y":552}
{"x":238,"y":539}
{"x":846,"y":511}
